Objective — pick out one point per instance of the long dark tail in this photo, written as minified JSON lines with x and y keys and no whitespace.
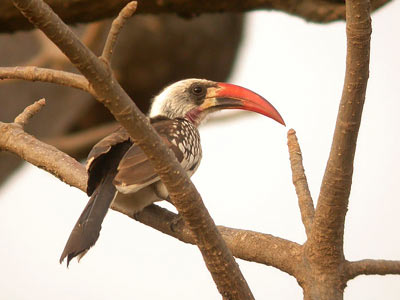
{"x":100,"y":185}
{"x":87,"y":229}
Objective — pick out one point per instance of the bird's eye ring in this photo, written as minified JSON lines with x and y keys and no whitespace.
{"x":197,"y":90}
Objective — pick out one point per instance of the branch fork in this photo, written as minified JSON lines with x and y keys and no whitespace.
{"x":321,"y":256}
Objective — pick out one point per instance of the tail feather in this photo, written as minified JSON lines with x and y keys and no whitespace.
{"x":102,"y":170}
{"x":87,"y":229}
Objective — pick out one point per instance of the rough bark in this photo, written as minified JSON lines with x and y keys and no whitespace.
{"x":324,"y":249}
{"x":299,"y":178}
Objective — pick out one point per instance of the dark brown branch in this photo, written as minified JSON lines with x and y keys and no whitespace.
{"x":73,"y":11}
{"x":300,"y":182}
{"x":46,"y":75}
{"x":23,"y":118}
{"x":223,"y":268}
{"x":372,"y":267}
{"x":116,"y":27}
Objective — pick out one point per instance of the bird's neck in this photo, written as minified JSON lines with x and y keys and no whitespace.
{"x":195,"y":116}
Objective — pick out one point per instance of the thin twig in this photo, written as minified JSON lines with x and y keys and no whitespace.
{"x":23,"y":118}
{"x":116,"y":27}
{"x":46,"y":75}
{"x":300,"y":182}
{"x":372,"y":267}
{"x":219,"y":261}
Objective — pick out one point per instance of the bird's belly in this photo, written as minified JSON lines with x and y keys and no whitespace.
{"x":160,"y":190}
{"x":134,"y":188}
{"x":135,"y":202}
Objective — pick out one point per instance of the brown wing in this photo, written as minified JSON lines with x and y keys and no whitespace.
{"x":135,"y":171}
{"x":114,"y":163}
{"x":96,"y":162}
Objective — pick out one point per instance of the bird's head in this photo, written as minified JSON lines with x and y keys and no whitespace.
{"x":194,"y":99}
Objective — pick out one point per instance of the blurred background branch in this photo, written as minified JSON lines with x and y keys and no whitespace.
{"x":83,"y":11}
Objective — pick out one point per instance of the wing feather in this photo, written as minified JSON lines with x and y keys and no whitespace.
{"x":135,"y":171}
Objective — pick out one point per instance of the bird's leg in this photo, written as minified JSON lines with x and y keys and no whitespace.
{"x":176,"y":222}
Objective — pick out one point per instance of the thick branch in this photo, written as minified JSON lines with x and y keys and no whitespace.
{"x":326,"y":243}
{"x":46,"y":75}
{"x":300,"y":182}
{"x":372,"y":267}
{"x":78,"y":11}
{"x":14,"y":139}
{"x":183,"y":194}
{"x":244,"y":244}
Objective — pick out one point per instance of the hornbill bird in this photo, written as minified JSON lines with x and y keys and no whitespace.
{"x":119,"y":171}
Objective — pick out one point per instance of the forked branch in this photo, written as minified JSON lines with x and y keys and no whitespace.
{"x":223,"y":268}
{"x":326,"y":243}
{"x":23,"y":118}
{"x":14,"y":139}
{"x":244,"y":244}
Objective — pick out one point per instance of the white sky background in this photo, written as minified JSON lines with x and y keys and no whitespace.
{"x":244,"y":179}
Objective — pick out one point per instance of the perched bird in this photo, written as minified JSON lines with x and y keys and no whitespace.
{"x":119,"y":171}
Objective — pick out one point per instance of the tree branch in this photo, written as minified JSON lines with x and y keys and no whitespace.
{"x":223,"y":268}
{"x":244,"y":244}
{"x":79,"y":11}
{"x":46,"y":75}
{"x":326,"y":241}
{"x":300,"y":182}
{"x":23,"y":118}
{"x":116,"y":27}
{"x":372,"y":267}
{"x":14,"y":139}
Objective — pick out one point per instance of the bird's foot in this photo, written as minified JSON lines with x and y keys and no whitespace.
{"x":176,"y":222}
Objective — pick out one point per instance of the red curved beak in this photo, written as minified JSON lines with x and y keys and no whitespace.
{"x":233,"y":96}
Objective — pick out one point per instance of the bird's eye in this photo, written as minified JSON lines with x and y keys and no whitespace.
{"x":198,"y":90}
